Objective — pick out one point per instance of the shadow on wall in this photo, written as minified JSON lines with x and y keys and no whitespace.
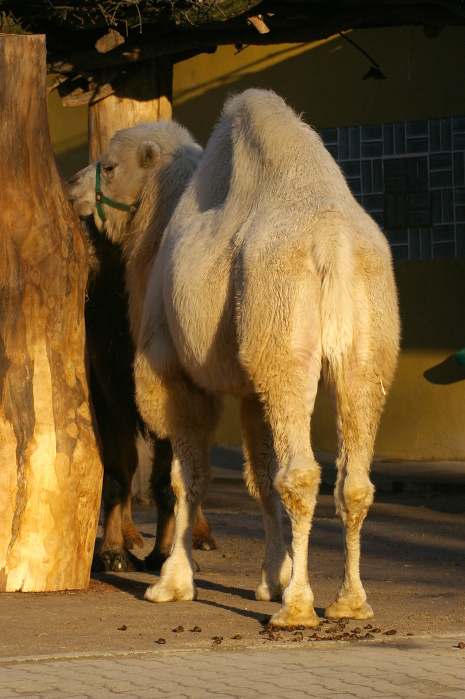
{"x":446,"y":372}
{"x":72,"y":161}
{"x":325,"y":81}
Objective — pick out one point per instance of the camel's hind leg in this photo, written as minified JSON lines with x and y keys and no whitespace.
{"x":260,"y":471}
{"x":359,"y":399}
{"x":297,"y":482}
{"x":289,"y":399}
{"x":280,"y":347}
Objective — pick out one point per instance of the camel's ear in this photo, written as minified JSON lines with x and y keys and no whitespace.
{"x":148,"y":154}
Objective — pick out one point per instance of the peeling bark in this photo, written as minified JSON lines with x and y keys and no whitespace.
{"x":50,"y":466}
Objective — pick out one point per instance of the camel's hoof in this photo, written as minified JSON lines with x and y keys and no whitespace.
{"x":163,"y":592}
{"x":204,"y":543}
{"x":155,"y":560}
{"x":120,"y":561}
{"x":339,"y":610}
{"x":290,"y":617}
{"x":132,"y":539}
{"x":268,"y":593}
{"x":273,"y":585}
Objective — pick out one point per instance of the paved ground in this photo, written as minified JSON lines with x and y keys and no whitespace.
{"x":108,"y":641}
{"x":422,"y":668}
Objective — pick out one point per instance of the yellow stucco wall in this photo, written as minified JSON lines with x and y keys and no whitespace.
{"x":324,"y":81}
{"x":425,"y":413}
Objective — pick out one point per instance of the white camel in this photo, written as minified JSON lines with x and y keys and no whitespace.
{"x":267,"y":274}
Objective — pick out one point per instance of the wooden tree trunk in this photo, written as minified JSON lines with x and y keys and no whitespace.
{"x":145,"y":97}
{"x":50,"y":466}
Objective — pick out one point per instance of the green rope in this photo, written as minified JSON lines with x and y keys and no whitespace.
{"x":102,"y":199}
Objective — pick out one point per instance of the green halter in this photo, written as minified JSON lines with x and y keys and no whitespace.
{"x":102,"y":199}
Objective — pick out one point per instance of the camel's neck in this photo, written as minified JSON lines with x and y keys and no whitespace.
{"x":144,"y":235}
{"x":139,"y":255}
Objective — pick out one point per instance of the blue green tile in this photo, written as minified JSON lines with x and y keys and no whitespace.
{"x":443,"y":250}
{"x":354,"y":136}
{"x":373,"y":202}
{"x":459,"y":169}
{"x":458,"y":141}
{"x":378,"y":216}
{"x":396,"y":209}
{"x":372,"y":133}
{"x":417,"y":145}
{"x":388,"y":139}
{"x":351,"y":168}
{"x":398,"y":237}
{"x":426,"y":244}
{"x":372,"y":149}
{"x":377,"y":168}
{"x":440,"y":180}
{"x":458,"y":125}
{"x":399,"y":139}
{"x":416,"y":128}
{"x":419,"y":210}
{"x":448,"y":205}
{"x":344,"y":150}
{"x":414,"y":244}
{"x":434,"y":136}
{"x":417,"y":172}
{"x":329,"y":136}
{"x":443,"y":233}
{"x":440,"y":161}
{"x":400,"y":253}
{"x":436,"y":207}
{"x":333,"y":149}
{"x":460,"y":237}
{"x":367,"y":179}
{"x":355,"y":185}
{"x":446,"y":134}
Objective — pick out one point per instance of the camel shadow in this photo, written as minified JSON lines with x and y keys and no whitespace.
{"x":137,"y":589}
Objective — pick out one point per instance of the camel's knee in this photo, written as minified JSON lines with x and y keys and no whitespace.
{"x":298,"y":485}
{"x":353,"y":495}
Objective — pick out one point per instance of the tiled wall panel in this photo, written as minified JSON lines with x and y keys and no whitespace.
{"x":410,"y":177}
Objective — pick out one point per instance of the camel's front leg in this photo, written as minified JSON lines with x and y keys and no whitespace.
{"x":354,"y":495}
{"x":189,"y":478}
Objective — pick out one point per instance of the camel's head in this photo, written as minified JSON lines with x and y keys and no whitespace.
{"x":111,"y":189}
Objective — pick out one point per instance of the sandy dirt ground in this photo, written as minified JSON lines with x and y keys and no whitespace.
{"x":413,"y":564}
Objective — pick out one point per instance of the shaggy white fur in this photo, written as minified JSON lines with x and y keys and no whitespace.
{"x":267,"y":273}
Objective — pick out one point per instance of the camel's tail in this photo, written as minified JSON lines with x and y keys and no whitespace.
{"x":334,"y":257}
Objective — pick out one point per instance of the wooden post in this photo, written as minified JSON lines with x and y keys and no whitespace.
{"x":146,"y":96}
{"x":50,"y":466}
